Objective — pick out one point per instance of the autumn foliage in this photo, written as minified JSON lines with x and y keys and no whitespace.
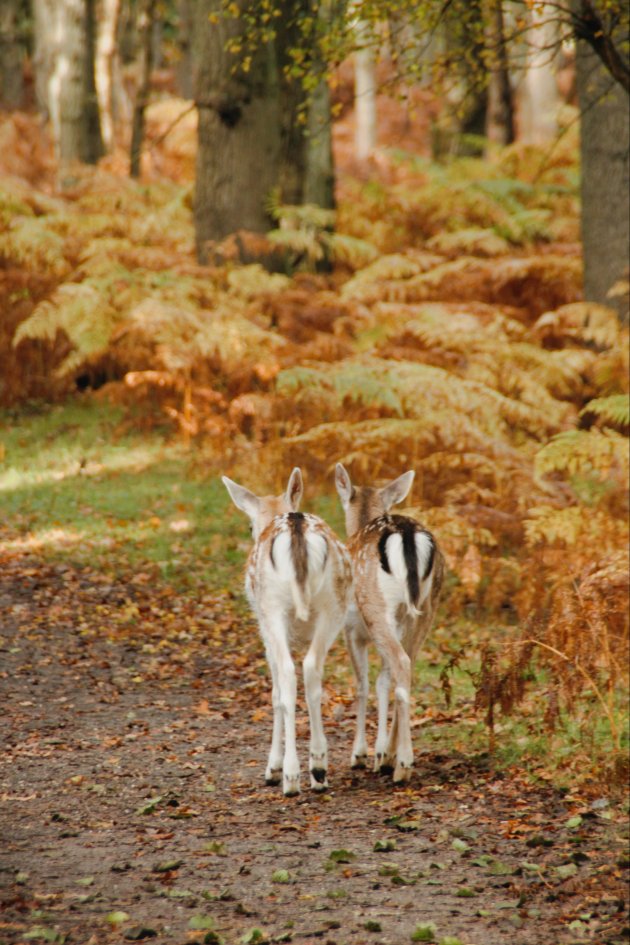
{"x":441,"y":330}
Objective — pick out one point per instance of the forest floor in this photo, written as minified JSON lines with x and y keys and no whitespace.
{"x":133,"y":804}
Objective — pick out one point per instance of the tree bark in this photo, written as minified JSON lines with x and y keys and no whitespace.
{"x":184,"y":39}
{"x":66,"y":79}
{"x":146,"y":16}
{"x":106,"y":54}
{"x":305,"y":170}
{"x":11,"y":56}
{"x":92,"y":148}
{"x":540,"y":99}
{"x":43,"y":25}
{"x":293,"y":102}
{"x":588,"y":26}
{"x":239,"y":129}
{"x":500,"y":113}
{"x":364,"y":96}
{"x":319,"y":178}
{"x":605,"y":150}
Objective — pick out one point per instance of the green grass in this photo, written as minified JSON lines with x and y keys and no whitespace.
{"x":78,"y":485}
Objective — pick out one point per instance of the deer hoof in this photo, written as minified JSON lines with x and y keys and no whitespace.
{"x":273,"y":776}
{"x":319,"y":780}
{"x":402,"y":773}
{"x":290,"y":785}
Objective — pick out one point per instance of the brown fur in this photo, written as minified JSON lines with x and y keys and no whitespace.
{"x":389,"y":614}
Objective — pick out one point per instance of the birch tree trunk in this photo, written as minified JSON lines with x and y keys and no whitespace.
{"x":106,"y":54}
{"x":364,"y":96}
{"x":43,"y":25}
{"x":65,"y":93}
{"x":539,"y":98}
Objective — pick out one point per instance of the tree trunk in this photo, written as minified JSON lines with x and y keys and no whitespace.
{"x":319,"y":179}
{"x":43,"y":26}
{"x":92,"y":141}
{"x":146,"y":15}
{"x":105,"y":64}
{"x":184,"y":40}
{"x":239,"y":129}
{"x":605,"y":149}
{"x":11,"y":56}
{"x":500,"y":114}
{"x":540,"y":99}
{"x":293,"y":102}
{"x":66,"y":80}
{"x":364,"y":96}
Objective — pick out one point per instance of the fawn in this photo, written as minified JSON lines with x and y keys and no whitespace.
{"x":398,"y":571}
{"x":299,"y":585}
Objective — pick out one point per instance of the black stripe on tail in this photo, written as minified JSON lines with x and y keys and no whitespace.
{"x":407,"y":529}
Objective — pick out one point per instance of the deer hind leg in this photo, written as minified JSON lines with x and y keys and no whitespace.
{"x":357,"y":648}
{"x":404,"y":747}
{"x":389,"y":758}
{"x":276,"y":639}
{"x":414,"y":636}
{"x":398,"y":746}
{"x":326,"y":629}
{"x":318,"y":752}
{"x":381,"y":763}
{"x":273,"y":772}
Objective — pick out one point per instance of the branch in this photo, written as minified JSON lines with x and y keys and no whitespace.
{"x":588,"y":26}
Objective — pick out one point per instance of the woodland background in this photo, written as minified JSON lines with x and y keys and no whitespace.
{"x":242,"y":237}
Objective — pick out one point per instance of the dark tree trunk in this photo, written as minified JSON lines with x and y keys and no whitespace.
{"x":605,"y":149}
{"x":293,"y":145}
{"x":239,"y":129}
{"x":92,"y":148}
{"x":305,"y":172}
{"x":146,"y":15}
{"x":11,"y":56}
{"x":184,"y":41}
{"x":474,"y":108}
{"x":319,"y":180}
{"x":500,"y":113}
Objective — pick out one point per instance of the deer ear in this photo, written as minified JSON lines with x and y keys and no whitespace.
{"x":397,"y":490}
{"x":242,"y":498}
{"x":295,"y":488}
{"x":343,"y":484}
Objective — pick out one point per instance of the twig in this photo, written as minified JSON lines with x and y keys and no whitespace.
{"x":613,"y":725}
{"x":160,"y":138}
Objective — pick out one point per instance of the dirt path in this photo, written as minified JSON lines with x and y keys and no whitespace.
{"x":132,"y":784}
